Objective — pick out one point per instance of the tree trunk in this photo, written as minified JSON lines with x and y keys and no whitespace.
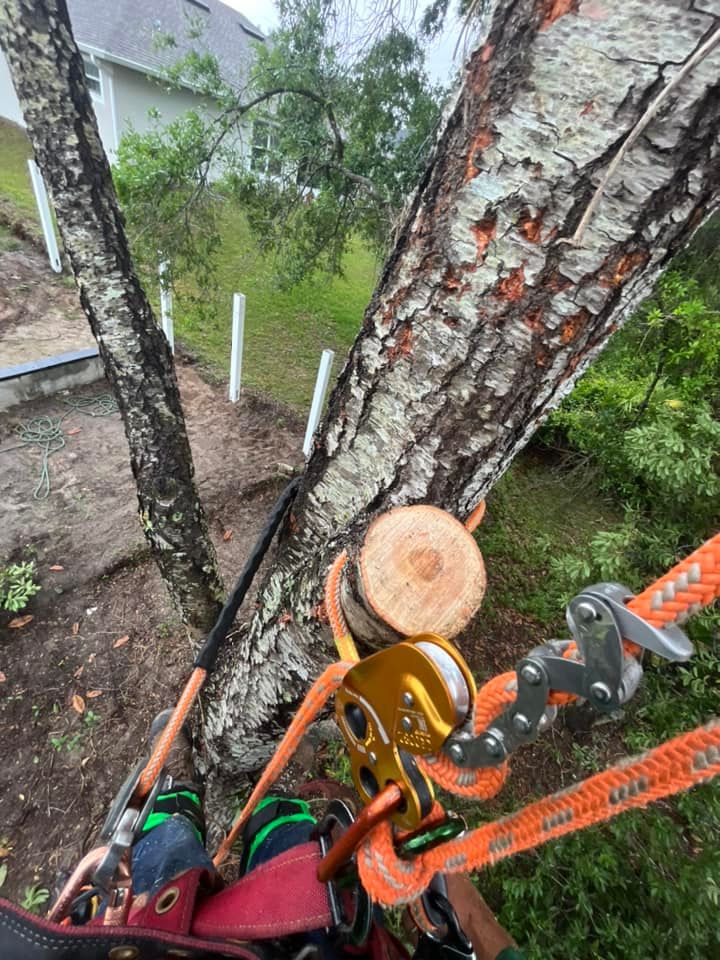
{"x":47,"y":71}
{"x":483,"y":319}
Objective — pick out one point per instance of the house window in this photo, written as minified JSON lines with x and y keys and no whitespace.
{"x":93,"y":78}
{"x":264,"y":158}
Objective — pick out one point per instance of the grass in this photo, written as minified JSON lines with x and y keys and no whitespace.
{"x":285,"y":329}
{"x":8,"y":242}
{"x":533,"y":518}
{"x":15,"y":187}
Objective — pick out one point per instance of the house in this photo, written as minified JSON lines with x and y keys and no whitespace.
{"x":120,"y":41}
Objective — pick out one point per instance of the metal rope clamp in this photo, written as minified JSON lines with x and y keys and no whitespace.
{"x":603,"y":674}
{"x":123,"y":825}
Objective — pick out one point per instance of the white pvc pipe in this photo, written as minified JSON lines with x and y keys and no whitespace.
{"x":321,"y":385}
{"x":236,"y":350}
{"x":166,"y":306}
{"x":43,"y":205}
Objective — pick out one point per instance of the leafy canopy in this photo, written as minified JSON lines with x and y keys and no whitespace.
{"x":320,"y":144}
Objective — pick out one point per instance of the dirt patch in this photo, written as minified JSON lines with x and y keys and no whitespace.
{"x":88,"y":524}
{"x":61,"y":767}
{"x":40,"y":315}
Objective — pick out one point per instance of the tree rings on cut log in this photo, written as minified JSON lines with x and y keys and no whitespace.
{"x":418,"y":570}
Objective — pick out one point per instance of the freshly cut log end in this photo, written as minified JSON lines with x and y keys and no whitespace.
{"x":419,"y":570}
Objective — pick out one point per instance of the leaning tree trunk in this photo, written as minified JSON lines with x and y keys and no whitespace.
{"x":47,"y":71}
{"x":483,"y":318}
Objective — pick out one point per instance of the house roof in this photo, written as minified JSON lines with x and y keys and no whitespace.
{"x":126,"y":31}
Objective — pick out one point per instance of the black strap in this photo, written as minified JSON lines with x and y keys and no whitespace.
{"x":206,"y":657}
{"x":280,"y":807}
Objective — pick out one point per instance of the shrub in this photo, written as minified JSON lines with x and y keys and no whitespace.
{"x":17,"y":585}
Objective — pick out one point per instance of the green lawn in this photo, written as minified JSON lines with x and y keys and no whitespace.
{"x":534,"y":517}
{"x":15,"y":186}
{"x":285,"y":330}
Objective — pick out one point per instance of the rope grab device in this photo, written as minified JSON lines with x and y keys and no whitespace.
{"x":412,"y":718}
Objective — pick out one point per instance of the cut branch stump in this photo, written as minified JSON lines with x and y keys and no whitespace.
{"x":419,"y":570}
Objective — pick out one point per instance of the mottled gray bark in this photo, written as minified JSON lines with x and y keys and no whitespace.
{"x":482,"y":320}
{"x":47,"y":71}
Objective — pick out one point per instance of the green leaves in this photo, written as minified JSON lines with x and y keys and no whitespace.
{"x":17,"y":585}
{"x":647,"y":416}
{"x":320,"y":146}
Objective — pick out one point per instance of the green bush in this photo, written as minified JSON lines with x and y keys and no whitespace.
{"x":17,"y":585}
{"x":642,"y":427}
{"x":646,"y":885}
{"x":645,"y":423}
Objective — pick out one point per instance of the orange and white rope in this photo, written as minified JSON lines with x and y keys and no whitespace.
{"x":676,"y":765}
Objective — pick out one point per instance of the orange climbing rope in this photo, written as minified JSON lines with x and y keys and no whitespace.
{"x":688,"y":586}
{"x":172,"y":728}
{"x":674,"y":766}
{"x":339,"y":625}
{"x":318,"y":695}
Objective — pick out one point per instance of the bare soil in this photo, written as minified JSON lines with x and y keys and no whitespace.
{"x":40,"y":315}
{"x":102,"y":628}
{"x":61,"y":767}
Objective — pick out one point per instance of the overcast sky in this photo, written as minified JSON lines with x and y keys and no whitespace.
{"x":440,"y":65}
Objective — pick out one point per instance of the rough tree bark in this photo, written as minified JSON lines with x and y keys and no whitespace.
{"x":47,"y":71}
{"x":483,"y":319}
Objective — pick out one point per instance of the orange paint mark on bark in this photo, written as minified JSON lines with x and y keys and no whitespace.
{"x":391,"y":308}
{"x":478,"y":71}
{"x":512,"y":287}
{"x":617,"y":273}
{"x":533,"y":320}
{"x":484,"y":231}
{"x":402,"y":346}
{"x":451,"y":282}
{"x":541,"y":356}
{"x":481,"y":142}
{"x":587,"y":108}
{"x":531,"y":227}
{"x":554,"y":9}
{"x":572,"y":326}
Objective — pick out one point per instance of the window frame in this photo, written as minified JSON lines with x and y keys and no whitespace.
{"x":89,"y":59}
{"x":263,"y":151}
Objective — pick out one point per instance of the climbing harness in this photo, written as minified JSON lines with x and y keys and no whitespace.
{"x":412,"y":718}
{"x":107,"y":867}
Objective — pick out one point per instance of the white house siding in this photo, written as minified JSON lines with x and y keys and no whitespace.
{"x":104,"y":108}
{"x":136,"y":94}
{"x":127,"y":97}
